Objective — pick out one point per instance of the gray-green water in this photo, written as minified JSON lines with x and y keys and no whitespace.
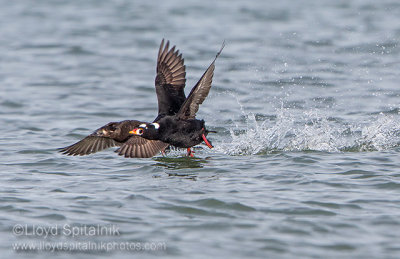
{"x":305,"y":100}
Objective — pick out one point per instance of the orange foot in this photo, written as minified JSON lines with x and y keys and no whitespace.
{"x":206,"y":141}
{"x":190,"y":152}
{"x":163,"y":152}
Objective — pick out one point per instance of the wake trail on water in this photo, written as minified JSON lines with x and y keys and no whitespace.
{"x":309,"y":131}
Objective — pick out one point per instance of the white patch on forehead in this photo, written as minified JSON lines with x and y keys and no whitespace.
{"x":156,"y":125}
{"x":143,"y":125}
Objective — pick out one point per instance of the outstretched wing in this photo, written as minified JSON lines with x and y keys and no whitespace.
{"x":170,"y":80}
{"x":90,"y":144}
{"x":199,"y":92}
{"x":140,"y":147}
{"x":110,"y":135}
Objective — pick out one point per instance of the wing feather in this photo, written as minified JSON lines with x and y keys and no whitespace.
{"x":199,"y":92}
{"x":110,"y":135}
{"x":170,"y":80}
{"x":89,"y":145}
{"x":140,"y":147}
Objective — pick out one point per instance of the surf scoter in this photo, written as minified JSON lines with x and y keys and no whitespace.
{"x":175,"y":123}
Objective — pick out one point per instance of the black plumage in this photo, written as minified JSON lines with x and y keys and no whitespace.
{"x":183,"y":129}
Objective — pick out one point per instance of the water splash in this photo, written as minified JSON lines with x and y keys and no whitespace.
{"x":310,"y":131}
{"x":381,"y":134}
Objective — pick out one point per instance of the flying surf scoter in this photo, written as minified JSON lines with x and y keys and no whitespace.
{"x":175,"y":124}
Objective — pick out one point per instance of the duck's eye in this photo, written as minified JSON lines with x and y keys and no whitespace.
{"x":140,"y":131}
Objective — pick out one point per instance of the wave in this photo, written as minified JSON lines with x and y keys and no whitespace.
{"x":310,"y":131}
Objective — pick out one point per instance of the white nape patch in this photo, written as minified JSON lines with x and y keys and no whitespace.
{"x":143,"y":125}
{"x":156,"y":125}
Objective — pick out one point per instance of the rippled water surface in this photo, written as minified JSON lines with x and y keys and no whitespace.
{"x":305,"y":101}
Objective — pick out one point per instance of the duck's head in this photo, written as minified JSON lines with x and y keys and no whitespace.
{"x":146,"y":130}
{"x":111,"y":130}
